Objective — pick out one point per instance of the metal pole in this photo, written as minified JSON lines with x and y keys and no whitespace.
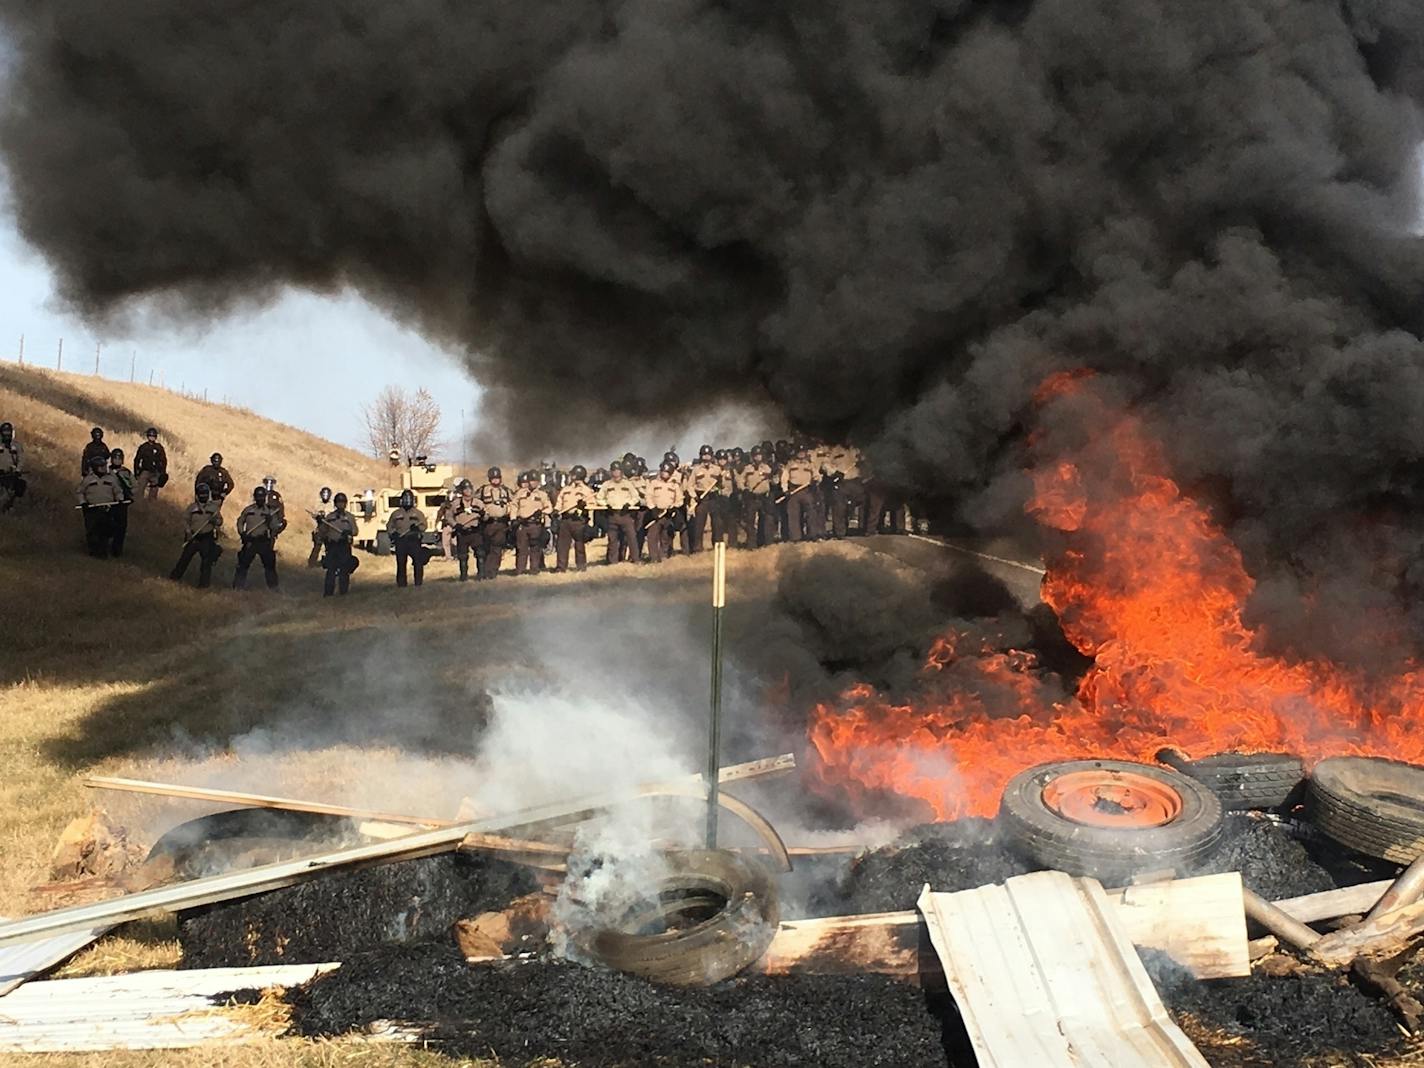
{"x":22,"y":350}
{"x":133,"y":362}
{"x":150,"y":376}
{"x":97,"y":346}
{"x":714,"y":726}
{"x":59,"y":363}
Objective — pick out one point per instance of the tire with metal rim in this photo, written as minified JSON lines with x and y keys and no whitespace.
{"x":1110,"y":818}
{"x":714,"y":914}
{"x":1370,"y":804}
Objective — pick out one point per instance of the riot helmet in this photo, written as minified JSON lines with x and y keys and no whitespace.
{"x":259,"y":495}
{"x":151,"y":433}
{"x":325,"y":494}
{"x":215,"y":459}
{"x":579,"y":472}
{"x":493,"y":474}
{"x":7,"y":431}
{"x":203,"y":492}
{"x":339,"y":500}
{"x":97,"y":434}
{"x":407,"y":499}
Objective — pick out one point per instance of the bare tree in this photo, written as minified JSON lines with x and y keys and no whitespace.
{"x":407,"y":421}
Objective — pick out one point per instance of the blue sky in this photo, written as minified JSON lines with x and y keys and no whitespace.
{"x":311,"y":361}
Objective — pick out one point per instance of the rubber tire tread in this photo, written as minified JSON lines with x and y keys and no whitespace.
{"x":712,"y":950}
{"x":1037,"y":832}
{"x":244,"y":828}
{"x":1250,"y":781}
{"x":1348,"y":814}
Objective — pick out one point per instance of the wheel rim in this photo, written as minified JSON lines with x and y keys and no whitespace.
{"x":1118,"y":799}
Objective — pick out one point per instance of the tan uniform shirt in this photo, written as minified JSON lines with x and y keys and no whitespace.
{"x":755,"y":479}
{"x":842,"y":459}
{"x":703,"y":477}
{"x":576,"y":497}
{"x":465,"y":515}
{"x":202,"y":518}
{"x":797,"y":473}
{"x":529,"y":503}
{"x":101,"y":489}
{"x":12,"y":459}
{"x":405,"y":521}
{"x":618,"y":495}
{"x":494,"y":500}
{"x":727,"y":485}
{"x":664,"y":493}
{"x":339,"y":526}
{"x":259,"y":521}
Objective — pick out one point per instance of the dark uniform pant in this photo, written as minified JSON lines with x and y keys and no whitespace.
{"x":843,"y":496}
{"x":205,"y":547}
{"x":495,"y":534}
{"x":804,"y":506}
{"x":467,"y":540}
{"x":571,"y":534}
{"x":339,"y":563}
{"x":529,"y":548}
{"x":877,"y":501}
{"x":410,"y":551}
{"x":756,"y":518}
{"x":622,"y":533}
{"x":118,"y":528}
{"x":98,"y":530}
{"x":12,"y":488}
{"x":659,"y":537}
{"x":255,"y":548}
{"x":709,"y":509}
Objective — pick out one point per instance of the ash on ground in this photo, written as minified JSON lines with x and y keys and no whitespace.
{"x":1270,"y":1021}
{"x":344,"y":912}
{"x":526,"y":1013}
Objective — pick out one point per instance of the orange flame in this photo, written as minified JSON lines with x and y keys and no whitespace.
{"x":1152,"y":589}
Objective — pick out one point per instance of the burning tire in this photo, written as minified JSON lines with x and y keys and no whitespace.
{"x":713,"y":915}
{"x":1246,"y":780}
{"x":1372,"y":805}
{"x":1110,"y":818}
{"x":246,"y":837}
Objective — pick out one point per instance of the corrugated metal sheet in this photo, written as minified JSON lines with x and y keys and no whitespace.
{"x":23,"y":960}
{"x":143,"y":1010}
{"x":1044,"y":975}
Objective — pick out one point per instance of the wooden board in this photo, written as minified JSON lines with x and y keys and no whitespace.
{"x":266,"y":877}
{"x":1044,"y":975}
{"x":1199,"y":923}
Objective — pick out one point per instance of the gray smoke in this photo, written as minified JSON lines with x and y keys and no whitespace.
{"x":891,"y":220}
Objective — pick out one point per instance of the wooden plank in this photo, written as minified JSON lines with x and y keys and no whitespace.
{"x":235,"y":799}
{"x":257,"y":880}
{"x":1200,"y":923}
{"x":1045,"y":975}
{"x":1332,"y":904}
{"x":1383,"y":936}
{"x":732,"y":773}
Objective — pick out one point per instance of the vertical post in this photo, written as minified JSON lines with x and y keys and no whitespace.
{"x":133,"y":362}
{"x":97,"y":346}
{"x":59,"y":363}
{"x":714,"y":726}
{"x":150,"y":376}
{"x":22,"y":350}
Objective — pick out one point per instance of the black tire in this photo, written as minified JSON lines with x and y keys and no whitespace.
{"x":742,"y":899}
{"x":1370,"y":804}
{"x":246,"y":837}
{"x":1041,"y":834}
{"x":383,"y":543}
{"x":1248,"y":780}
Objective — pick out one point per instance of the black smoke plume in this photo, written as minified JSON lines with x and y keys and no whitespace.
{"x":889,"y":219}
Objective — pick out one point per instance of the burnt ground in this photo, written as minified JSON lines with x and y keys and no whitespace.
{"x":389,"y":925}
{"x":525,"y":1013}
{"x":1287,"y":1021}
{"x":345,"y":912}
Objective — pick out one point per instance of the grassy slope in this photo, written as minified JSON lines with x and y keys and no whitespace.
{"x":111,"y":669}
